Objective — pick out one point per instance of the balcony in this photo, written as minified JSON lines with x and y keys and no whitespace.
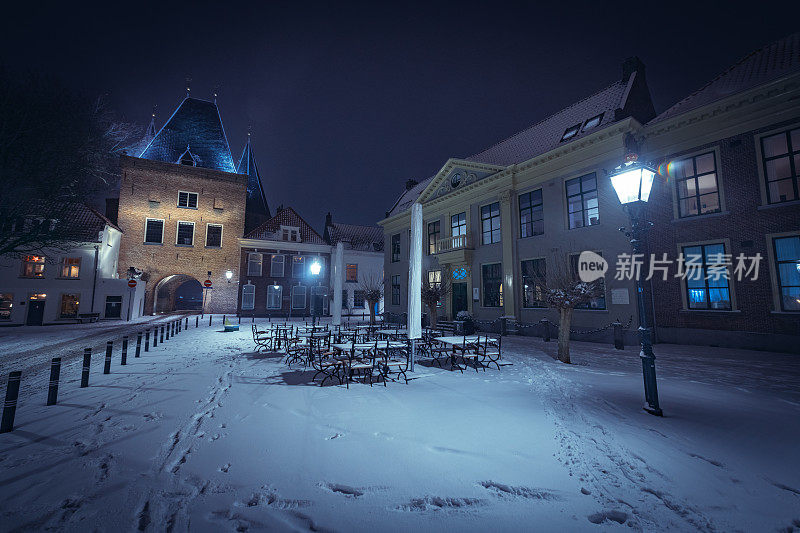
{"x":456,"y":249}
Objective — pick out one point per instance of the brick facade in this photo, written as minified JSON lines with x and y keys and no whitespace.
{"x":149,"y":189}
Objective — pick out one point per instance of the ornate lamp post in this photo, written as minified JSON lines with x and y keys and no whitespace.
{"x":315,"y":269}
{"x":632,"y":182}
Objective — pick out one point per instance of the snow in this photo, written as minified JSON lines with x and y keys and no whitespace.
{"x":204,"y":434}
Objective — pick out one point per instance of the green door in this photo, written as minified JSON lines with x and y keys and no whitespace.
{"x":459,"y":298}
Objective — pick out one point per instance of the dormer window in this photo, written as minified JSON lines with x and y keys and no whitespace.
{"x":593,"y":122}
{"x":571,"y":132}
{"x":290,"y":234}
{"x":187,"y":158}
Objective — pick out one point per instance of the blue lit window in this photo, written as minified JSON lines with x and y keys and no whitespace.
{"x":707,"y":284}
{"x":787,"y":258}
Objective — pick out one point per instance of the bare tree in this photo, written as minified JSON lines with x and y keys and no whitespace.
{"x":563,"y":291}
{"x":56,"y":148}
{"x":432,"y":295}
{"x":372,"y":285}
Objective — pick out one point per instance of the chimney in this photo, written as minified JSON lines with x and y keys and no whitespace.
{"x":112,"y":209}
{"x":328,"y":219}
{"x":631,"y":65}
{"x":410,"y":184}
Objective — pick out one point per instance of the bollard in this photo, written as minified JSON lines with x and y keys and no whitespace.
{"x":545,"y":329}
{"x":165,"y":328}
{"x":52,"y":389}
{"x":503,"y":326}
{"x":107,"y":366}
{"x":209,"y":320}
{"x":10,"y":405}
{"x":174,"y":327}
{"x":223,"y":320}
{"x":186,"y":325}
{"x":138,"y":343}
{"x":252,"y":319}
{"x":124,"y":350}
{"x":240,"y":319}
{"x":197,"y":322}
{"x":619,"y":336}
{"x":87,"y":365}
{"x":147,"y":340}
{"x":180,"y":324}
{"x":155,"y":337}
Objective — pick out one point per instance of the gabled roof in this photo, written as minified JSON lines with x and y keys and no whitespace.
{"x":195,"y":125}
{"x":269,"y":230}
{"x":361,"y":238}
{"x":771,"y":62}
{"x":74,"y":222}
{"x":256,"y":209}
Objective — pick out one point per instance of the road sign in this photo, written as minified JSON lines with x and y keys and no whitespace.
{"x":207,"y":283}
{"x":132,"y":283}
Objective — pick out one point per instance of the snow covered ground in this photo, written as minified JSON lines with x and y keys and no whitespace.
{"x":203,"y":434}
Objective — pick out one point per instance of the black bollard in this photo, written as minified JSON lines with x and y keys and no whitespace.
{"x":209,"y":320}
{"x":87,"y":365}
{"x":147,"y":340}
{"x":545,"y":329}
{"x":619,"y":336}
{"x":223,"y":320}
{"x":124,"y":350}
{"x":138,"y":343}
{"x":107,"y":366}
{"x":180,"y":324}
{"x":163,"y":329}
{"x":155,"y":337}
{"x":174,"y":327}
{"x":52,"y":389}
{"x":197,"y":322}
{"x":10,"y":405}
{"x":252,"y":319}
{"x":240,"y":319}
{"x":186,"y":324}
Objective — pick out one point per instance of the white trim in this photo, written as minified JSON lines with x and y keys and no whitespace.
{"x":280,"y":296}
{"x":272,"y":264}
{"x":305,"y":296}
{"x":177,"y":227}
{"x":144,"y":241}
{"x":253,"y":306}
{"x":221,"y":230}
{"x":260,"y":263}
{"x":196,"y":203}
{"x":283,"y":245}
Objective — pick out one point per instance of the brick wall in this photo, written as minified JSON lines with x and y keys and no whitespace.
{"x":149,"y":189}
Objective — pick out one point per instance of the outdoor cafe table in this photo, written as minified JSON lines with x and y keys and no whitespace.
{"x":363,"y":346}
{"x":457,"y":341}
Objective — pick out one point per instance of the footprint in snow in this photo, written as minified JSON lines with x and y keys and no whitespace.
{"x":342,"y":489}
{"x":336,"y":436}
{"x":224,"y":468}
{"x":611,"y":516}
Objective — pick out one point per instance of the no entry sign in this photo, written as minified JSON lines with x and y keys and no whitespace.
{"x":207,"y":283}
{"x":132,"y":283}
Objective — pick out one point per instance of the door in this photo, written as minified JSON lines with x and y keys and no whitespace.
{"x":113,"y":306}
{"x":459,"y":298}
{"x":35,"y":313}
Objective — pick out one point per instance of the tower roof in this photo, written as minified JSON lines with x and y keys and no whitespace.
{"x":196,"y":126}
{"x":257,"y":207}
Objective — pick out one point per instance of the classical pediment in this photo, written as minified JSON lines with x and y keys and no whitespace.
{"x":455,"y":175}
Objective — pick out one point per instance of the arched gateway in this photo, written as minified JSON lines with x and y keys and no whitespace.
{"x":177,"y":292}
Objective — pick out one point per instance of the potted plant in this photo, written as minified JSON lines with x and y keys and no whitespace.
{"x":464,"y":323}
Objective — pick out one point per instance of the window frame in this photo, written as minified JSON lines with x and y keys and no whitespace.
{"x":581,"y":193}
{"x":146,"y":221}
{"x":188,"y":196}
{"x":588,"y":306}
{"x":64,"y":266}
{"x":272,"y":264}
{"x":347,"y":272}
{"x":777,"y":298}
{"x":530,"y":210}
{"x":542,"y":302}
{"x":294,"y":289}
{"x":491,"y":218}
{"x":301,"y":263}
{"x":274,"y":287}
{"x":178,"y":231}
{"x":253,"y":295}
{"x":394,"y":248}
{"x":500,"y":299}
{"x":676,"y":199}
{"x":362,"y":294}
{"x":220,"y":226}
{"x":685,"y":285}
{"x":10,"y":299}
{"x":459,"y":225}
{"x":571,"y":132}
{"x":259,"y":261}
{"x":586,"y":123}
{"x":435,"y":234}
{"x":61,"y":315}
{"x":762,"y":164}
{"x":395,"y":289}
{"x":34,"y":275}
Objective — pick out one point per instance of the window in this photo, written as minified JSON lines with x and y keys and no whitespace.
{"x":185,"y":234}
{"x":248,"y":297}
{"x":113,"y":306}
{"x":435,"y":278}
{"x":69,"y":305}
{"x":33,"y":266}
{"x":290,"y":233}
{"x":277,"y":266}
{"x":787,"y":259}
{"x":458,"y":224}
{"x":351,"y":273}
{"x":395,"y":290}
{"x":254,"y":264}
{"x":531,"y":214}
{"x":275,"y":296}
{"x":71,"y":267}
{"x":345,"y":298}
{"x":359,"y":297}
{"x":707,"y":277}
{"x":299,"y":297}
{"x":187,"y":199}
{"x":298,"y":266}
{"x":598,"y":302}
{"x":492,"y":285}
{"x":534,"y":274}
{"x":490,"y":223}
{"x":781,"y":154}
{"x":213,"y":235}
{"x":434,"y":230}
{"x":571,"y":132}
{"x":696,"y":180}
{"x":593,"y":122}
{"x":6,"y":304}
{"x":153,"y":231}
{"x":395,"y":248}
{"x":582,"y":201}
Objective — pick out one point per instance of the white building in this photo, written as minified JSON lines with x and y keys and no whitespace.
{"x":58,"y":284}
{"x":357,"y":258}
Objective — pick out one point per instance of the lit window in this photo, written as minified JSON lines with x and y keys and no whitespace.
{"x":707,"y":277}
{"x":277,"y":266}
{"x":458,"y":224}
{"x":395,"y":248}
{"x":492,"y":285}
{"x":787,"y":259}
{"x":351,"y":273}
{"x":185,"y":236}
{"x":298,"y":266}
{"x":781,"y":155}
{"x":33,"y":266}
{"x":534,"y":274}
{"x":274,"y":296}
{"x":213,"y":235}
{"x":187,"y":199}
{"x":153,"y":231}
{"x":69,"y":305}
{"x":490,"y":223}
{"x":6,"y":304}
{"x":299,"y":297}
{"x":593,"y":122}
{"x":571,"y":132}
{"x":697,"y":185}
{"x":248,"y":297}
{"x":254,"y":264}
{"x":71,"y":267}
{"x":435,"y":278}
{"x":531,"y":214}
{"x":582,"y":201}
{"x":433,"y":236}
{"x":598,"y":302}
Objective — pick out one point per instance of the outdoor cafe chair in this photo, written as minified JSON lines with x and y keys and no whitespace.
{"x":262,"y":339}
{"x":489,"y":352}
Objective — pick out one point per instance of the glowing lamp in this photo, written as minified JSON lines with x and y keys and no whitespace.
{"x":315,"y":268}
{"x":632,"y":181}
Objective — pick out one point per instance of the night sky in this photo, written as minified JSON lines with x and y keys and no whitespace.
{"x":347,"y":102}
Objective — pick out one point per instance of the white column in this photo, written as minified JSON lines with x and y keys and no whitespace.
{"x":337,"y":272}
{"x":415,"y":274}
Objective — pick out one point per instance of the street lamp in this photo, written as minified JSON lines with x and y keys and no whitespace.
{"x":632,"y":182}
{"x":229,"y":275}
{"x":315,"y":268}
